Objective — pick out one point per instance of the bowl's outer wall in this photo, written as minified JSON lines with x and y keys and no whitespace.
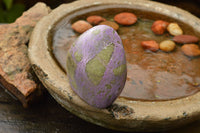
{"x":124,"y":115}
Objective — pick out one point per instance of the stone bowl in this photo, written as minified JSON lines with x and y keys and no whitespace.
{"x":123,"y":114}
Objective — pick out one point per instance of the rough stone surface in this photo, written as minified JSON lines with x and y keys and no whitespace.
{"x":15,"y":69}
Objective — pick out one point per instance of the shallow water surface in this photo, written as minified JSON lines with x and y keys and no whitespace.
{"x":151,"y":76}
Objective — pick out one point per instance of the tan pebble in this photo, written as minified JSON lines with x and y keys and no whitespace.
{"x":114,"y":25}
{"x":174,"y":29}
{"x":81,"y":26}
{"x":191,"y":50}
{"x":167,"y":46}
{"x":150,"y":45}
{"x":95,"y":20}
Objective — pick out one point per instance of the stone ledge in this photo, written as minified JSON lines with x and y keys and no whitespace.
{"x":16,"y":74}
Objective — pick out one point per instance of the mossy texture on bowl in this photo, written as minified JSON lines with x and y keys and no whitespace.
{"x":123,"y":114}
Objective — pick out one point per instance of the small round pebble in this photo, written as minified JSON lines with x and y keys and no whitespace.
{"x":167,"y":46}
{"x":95,"y":20}
{"x":114,"y":25}
{"x":159,"y":27}
{"x":150,"y":45}
{"x":81,"y":26}
{"x":174,"y":29}
{"x":125,"y":18}
{"x":191,"y":50}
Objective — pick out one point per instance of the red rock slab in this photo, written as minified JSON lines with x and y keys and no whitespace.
{"x":16,"y":73}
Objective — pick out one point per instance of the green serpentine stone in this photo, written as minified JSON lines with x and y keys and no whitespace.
{"x":96,"y":32}
{"x":78,"y":56}
{"x":119,"y":70}
{"x":108,"y":86}
{"x":96,"y":67}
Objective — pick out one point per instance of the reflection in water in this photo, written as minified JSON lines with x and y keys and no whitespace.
{"x":149,"y":84}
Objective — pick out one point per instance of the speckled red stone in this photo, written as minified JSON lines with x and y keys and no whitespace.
{"x":159,"y":27}
{"x":150,"y":45}
{"x":125,"y":18}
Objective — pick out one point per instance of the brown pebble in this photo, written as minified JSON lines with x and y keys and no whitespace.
{"x":81,"y":26}
{"x":191,"y":50}
{"x":185,"y":39}
{"x":159,"y":27}
{"x":150,"y":45}
{"x":114,"y":25}
{"x":125,"y":18}
{"x":95,"y":20}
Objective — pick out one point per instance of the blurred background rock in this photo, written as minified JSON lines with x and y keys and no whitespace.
{"x":12,"y":9}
